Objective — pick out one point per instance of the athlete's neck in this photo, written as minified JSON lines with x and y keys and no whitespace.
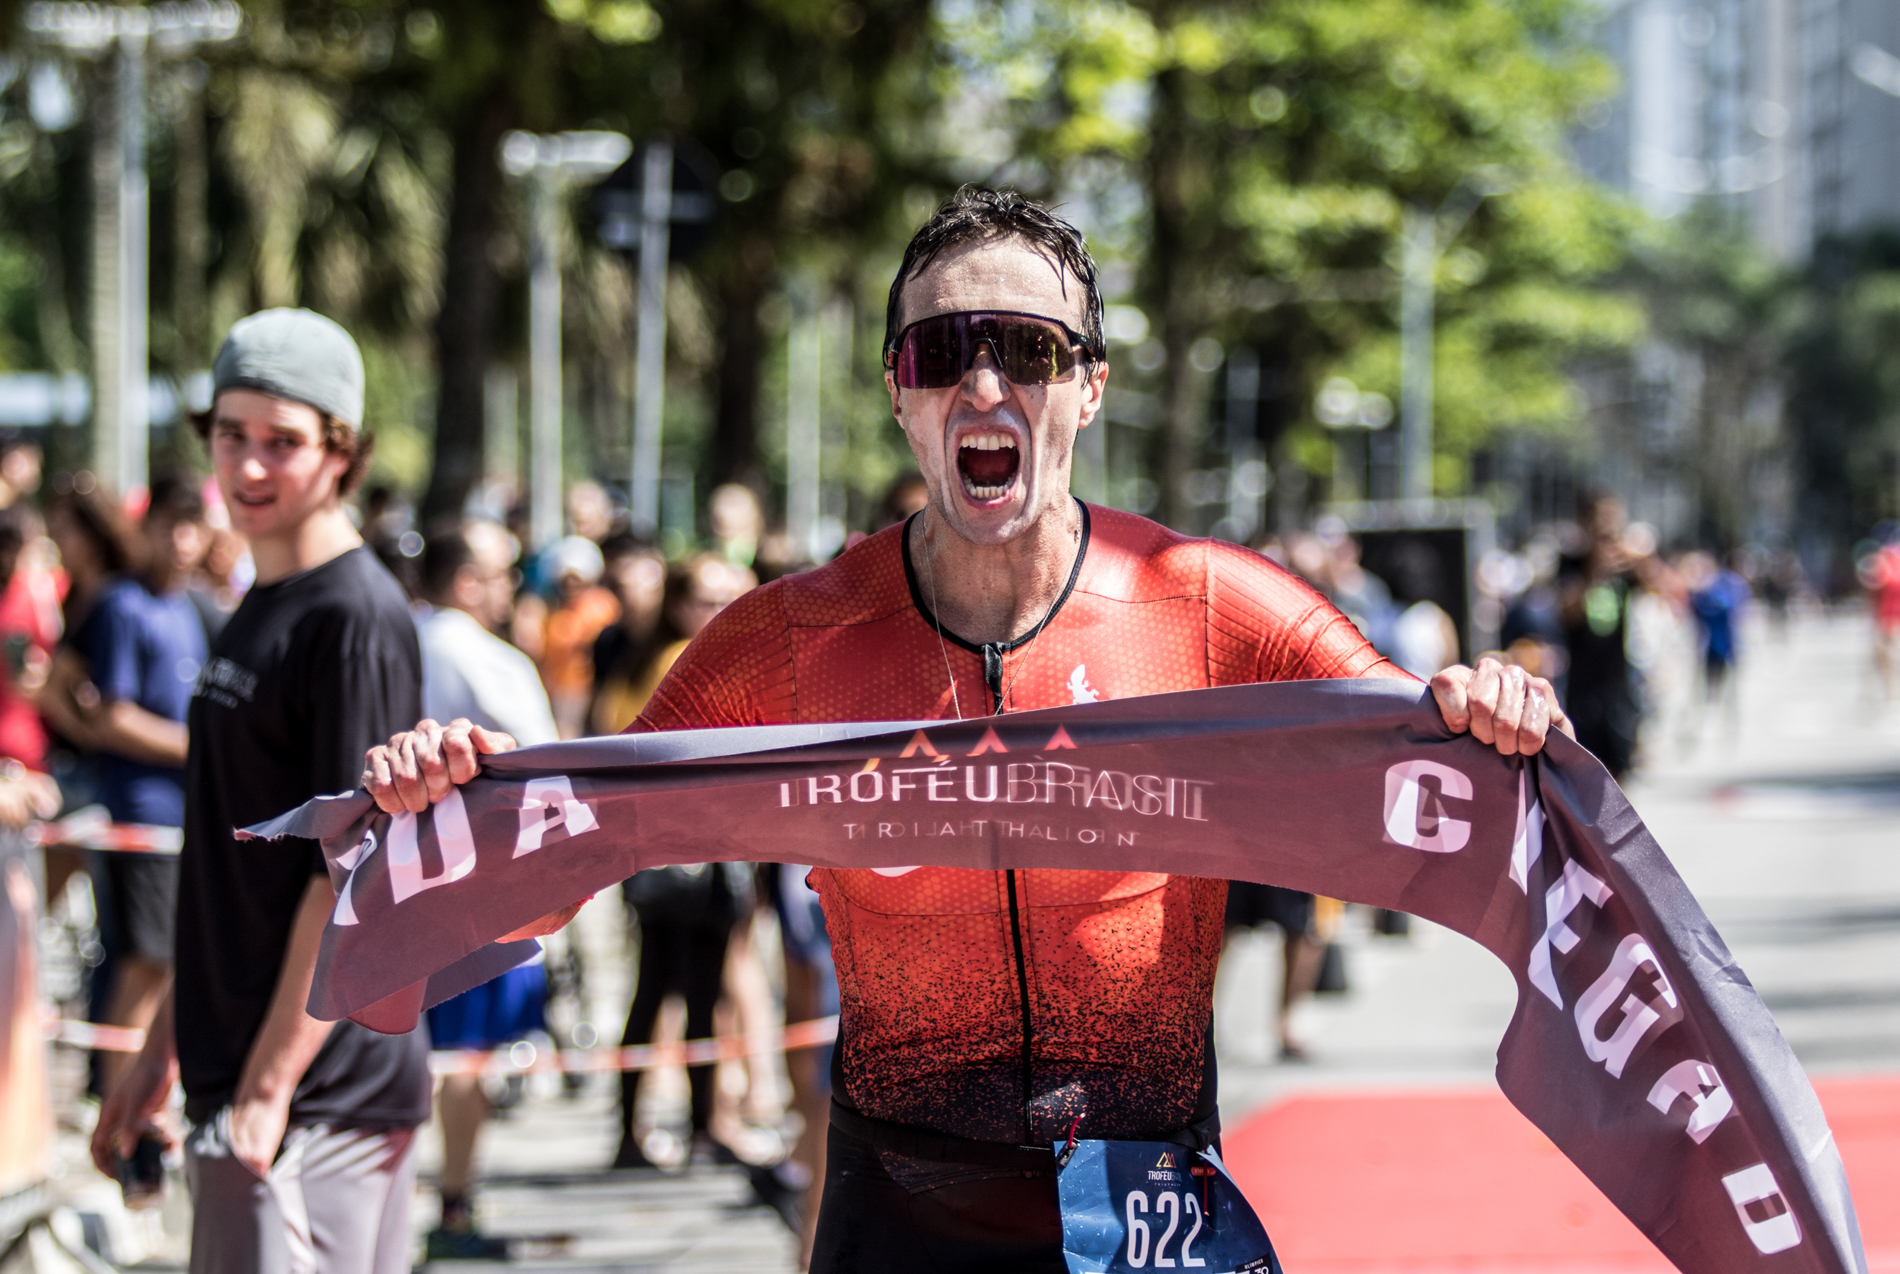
{"x":323,"y":536}
{"x":995,"y":592}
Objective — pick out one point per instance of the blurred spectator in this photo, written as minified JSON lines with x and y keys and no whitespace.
{"x":737,"y":523}
{"x":467,"y":671}
{"x":19,"y":469}
{"x":696,"y":591}
{"x":1880,"y":575}
{"x":686,"y":914}
{"x":590,"y":511}
{"x":1532,"y":633}
{"x":30,"y":625}
{"x":1362,"y":596}
{"x":1250,"y":906}
{"x":1717,"y":597}
{"x":95,"y":543}
{"x":637,"y":575}
{"x":1593,"y":589}
{"x":94,"y":540}
{"x":1660,"y":641}
{"x":1777,"y":584}
{"x":582,"y":608}
{"x":128,"y":671}
{"x":907,"y":496}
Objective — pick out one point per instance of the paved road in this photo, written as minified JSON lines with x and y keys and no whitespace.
{"x":1782,"y":819}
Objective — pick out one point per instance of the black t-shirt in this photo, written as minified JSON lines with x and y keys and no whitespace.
{"x":309,"y":673}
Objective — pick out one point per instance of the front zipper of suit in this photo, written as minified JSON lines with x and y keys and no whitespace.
{"x":993,"y":676}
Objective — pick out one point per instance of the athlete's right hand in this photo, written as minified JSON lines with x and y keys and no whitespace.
{"x":419,"y":767}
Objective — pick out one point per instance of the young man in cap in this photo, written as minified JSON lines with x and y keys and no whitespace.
{"x":300,"y":1154}
{"x":987,"y":1014}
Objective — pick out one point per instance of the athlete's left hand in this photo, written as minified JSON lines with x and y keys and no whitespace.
{"x":1502,"y":705}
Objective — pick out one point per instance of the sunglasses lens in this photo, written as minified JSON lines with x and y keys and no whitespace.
{"x":936,"y":352}
{"x":1034,"y":353}
{"x":931,"y":356}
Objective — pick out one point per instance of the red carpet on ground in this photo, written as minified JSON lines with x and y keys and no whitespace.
{"x":1460,"y":1183}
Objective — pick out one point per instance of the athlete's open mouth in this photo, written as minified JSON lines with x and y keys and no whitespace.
{"x":988,"y":463}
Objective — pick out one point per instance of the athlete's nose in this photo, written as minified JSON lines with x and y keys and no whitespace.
{"x":984,"y":385}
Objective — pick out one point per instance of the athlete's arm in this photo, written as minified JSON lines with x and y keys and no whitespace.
{"x":1502,"y":705}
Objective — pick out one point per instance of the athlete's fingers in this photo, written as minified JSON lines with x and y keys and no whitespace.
{"x":432,"y":760}
{"x":1449,"y":688}
{"x":553,"y":922}
{"x":1507,"y":723}
{"x":1558,"y":717}
{"x":406,"y":766}
{"x":488,"y":742}
{"x":1542,"y":713}
{"x":379,"y":779}
{"x":1482,"y":696}
{"x":459,"y":752}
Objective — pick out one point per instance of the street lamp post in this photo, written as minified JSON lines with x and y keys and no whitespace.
{"x":549,"y":162}
{"x":655,"y":208}
{"x":1426,"y":236}
{"x":121,"y":415}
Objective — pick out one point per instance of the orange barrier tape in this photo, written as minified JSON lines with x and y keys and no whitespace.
{"x":92,"y":828}
{"x":108,"y":1039}
{"x":523,"y":1058}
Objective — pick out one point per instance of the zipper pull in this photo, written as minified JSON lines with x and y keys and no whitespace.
{"x":1068,"y":1152}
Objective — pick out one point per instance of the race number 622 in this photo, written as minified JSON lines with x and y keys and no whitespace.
{"x":1136,"y":1209}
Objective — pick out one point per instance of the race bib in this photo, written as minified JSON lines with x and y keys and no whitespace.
{"x":1153,"y":1205}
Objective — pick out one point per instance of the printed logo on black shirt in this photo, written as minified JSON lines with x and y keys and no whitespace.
{"x":224,"y":682}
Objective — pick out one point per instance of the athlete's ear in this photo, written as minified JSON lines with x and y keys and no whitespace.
{"x":1093,"y":390}
{"x":890,"y":384}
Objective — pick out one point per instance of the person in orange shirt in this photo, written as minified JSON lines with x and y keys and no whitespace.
{"x":567,"y":644}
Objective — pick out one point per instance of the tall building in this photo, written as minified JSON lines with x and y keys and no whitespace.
{"x":1851,"y":68}
{"x":1787,"y":111}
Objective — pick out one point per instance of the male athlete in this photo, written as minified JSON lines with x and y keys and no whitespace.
{"x":985,"y":1012}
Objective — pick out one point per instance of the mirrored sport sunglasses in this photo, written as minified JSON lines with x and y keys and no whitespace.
{"x":935,"y":353}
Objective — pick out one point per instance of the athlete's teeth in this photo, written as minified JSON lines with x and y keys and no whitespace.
{"x":989,"y":441}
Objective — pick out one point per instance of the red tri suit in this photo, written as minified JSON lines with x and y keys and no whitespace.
{"x":1002,"y":1005}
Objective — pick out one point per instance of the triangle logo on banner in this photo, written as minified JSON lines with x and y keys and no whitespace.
{"x":988,"y":743}
{"x":919,"y":742}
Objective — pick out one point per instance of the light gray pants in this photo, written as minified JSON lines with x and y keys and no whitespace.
{"x":336,"y":1202}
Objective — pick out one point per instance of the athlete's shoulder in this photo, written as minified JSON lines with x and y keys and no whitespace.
{"x":864,"y":583}
{"x":1134,"y":559}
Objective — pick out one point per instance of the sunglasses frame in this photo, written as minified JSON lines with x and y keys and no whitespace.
{"x":1089,"y":355}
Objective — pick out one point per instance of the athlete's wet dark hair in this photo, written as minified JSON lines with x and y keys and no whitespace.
{"x":977,"y":212}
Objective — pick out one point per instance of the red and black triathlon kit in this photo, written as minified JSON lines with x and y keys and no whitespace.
{"x":1015,"y":1007}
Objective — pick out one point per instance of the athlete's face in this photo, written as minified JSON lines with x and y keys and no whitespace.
{"x":996,"y":454}
{"x":271,"y":463}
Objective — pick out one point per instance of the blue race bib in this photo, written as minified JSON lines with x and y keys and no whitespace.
{"x":1153,"y":1205}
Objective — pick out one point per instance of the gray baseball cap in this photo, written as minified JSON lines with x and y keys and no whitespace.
{"x":294,"y":354}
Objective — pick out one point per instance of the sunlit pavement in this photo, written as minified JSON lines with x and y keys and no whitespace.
{"x":1394,"y":1151}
